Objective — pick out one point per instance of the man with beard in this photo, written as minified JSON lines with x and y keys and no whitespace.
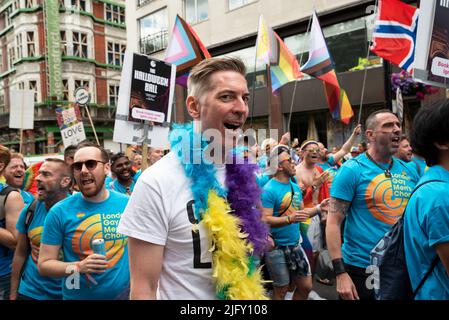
{"x":282,"y":202}
{"x":405,"y":153}
{"x":15,"y":175}
{"x":11,"y":203}
{"x":74,"y":223}
{"x":125,"y":177}
{"x":371,"y":192}
{"x":53,"y":184}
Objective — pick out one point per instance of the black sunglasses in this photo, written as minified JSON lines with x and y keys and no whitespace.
{"x":90,"y":165}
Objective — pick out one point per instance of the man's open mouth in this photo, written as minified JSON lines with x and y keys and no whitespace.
{"x":232,"y":126}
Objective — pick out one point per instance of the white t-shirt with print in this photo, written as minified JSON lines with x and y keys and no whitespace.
{"x":160,"y":211}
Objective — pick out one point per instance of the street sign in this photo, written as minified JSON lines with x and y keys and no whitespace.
{"x":82,"y":96}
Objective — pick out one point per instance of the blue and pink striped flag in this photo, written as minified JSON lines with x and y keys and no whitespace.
{"x":185,"y":50}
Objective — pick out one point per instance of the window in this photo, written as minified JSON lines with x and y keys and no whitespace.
{"x":234,"y":4}
{"x":79,"y":44}
{"x":16,"y":5}
{"x":63,"y":43}
{"x":82,"y":84}
{"x":21,"y":85}
{"x":115,"y":13}
{"x":7,"y":14}
{"x":65,"y":90}
{"x":79,"y":4}
{"x":11,"y":57}
{"x":32,"y":84}
{"x":153,"y":32}
{"x":29,"y":3}
{"x":31,"y":45}
{"x":2,"y":103}
{"x":196,"y":10}
{"x":113,"y":95}
{"x":346,"y":41}
{"x":116,"y":53}
{"x":19,"y":46}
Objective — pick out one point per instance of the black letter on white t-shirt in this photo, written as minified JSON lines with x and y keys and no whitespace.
{"x":197,"y":264}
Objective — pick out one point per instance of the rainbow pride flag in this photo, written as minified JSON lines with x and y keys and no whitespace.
{"x":185,"y":50}
{"x":321,"y":66}
{"x":271,"y":50}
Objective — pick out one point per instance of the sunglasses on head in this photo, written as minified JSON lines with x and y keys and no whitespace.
{"x":90,"y":165}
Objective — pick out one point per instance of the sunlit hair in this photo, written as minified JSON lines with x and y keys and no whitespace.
{"x":199,"y":78}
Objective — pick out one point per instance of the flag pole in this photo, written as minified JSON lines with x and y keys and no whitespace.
{"x":365,"y":74}
{"x":254,"y":81}
{"x":296,"y":81}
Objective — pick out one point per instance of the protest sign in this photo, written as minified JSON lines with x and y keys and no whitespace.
{"x":145,"y":96}
{"x":432,"y":49}
{"x":71,"y":125}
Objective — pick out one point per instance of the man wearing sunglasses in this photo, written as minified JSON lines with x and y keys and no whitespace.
{"x":74,"y":223}
{"x":282,"y":204}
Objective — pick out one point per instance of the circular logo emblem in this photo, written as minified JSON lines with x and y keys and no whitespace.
{"x":82,"y":96}
{"x":384,"y":203}
{"x":153,"y":64}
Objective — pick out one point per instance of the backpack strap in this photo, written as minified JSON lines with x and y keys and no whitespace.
{"x":3,"y":197}
{"x":30,"y":215}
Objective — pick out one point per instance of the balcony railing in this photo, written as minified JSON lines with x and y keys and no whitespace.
{"x":155,"y":42}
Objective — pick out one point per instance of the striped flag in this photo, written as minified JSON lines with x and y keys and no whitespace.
{"x":321,"y":66}
{"x":271,"y":50}
{"x":185,"y":50}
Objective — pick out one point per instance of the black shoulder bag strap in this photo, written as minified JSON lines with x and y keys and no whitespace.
{"x":437,"y":258}
{"x":28,"y":219}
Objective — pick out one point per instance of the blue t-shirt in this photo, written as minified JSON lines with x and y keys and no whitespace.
{"x":73,"y":224}
{"x":426,"y":224}
{"x":377,"y":202}
{"x":27,"y":197}
{"x":32,"y":284}
{"x":117,"y":186}
{"x":6,"y":254}
{"x":278,"y":196}
{"x":419,"y":165}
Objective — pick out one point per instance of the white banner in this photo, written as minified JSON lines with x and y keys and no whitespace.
{"x":73,"y":135}
{"x":21,"y":113}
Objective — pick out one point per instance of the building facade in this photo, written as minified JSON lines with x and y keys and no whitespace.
{"x":92,"y":42}
{"x":229,"y":27}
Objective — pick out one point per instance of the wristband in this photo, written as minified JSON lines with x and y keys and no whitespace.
{"x":338,"y":266}
{"x":318,"y":207}
{"x":78,"y":266}
{"x":288,"y":219}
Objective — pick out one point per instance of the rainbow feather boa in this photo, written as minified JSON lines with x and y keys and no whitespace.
{"x":236,"y":230}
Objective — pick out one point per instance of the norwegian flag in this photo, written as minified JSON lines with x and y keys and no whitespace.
{"x":394,"y":35}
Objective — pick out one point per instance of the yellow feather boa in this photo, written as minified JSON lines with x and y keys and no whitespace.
{"x":230,"y":253}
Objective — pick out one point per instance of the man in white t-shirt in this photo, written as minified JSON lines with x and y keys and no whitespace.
{"x":168,"y":258}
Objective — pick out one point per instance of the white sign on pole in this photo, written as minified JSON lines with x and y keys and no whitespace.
{"x":21,"y":113}
{"x":131,"y":132}
{"x":431,"y":64}
{"x":73,"y":135}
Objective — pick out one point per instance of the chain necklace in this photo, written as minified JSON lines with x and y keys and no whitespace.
{"x":386,"y":171}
